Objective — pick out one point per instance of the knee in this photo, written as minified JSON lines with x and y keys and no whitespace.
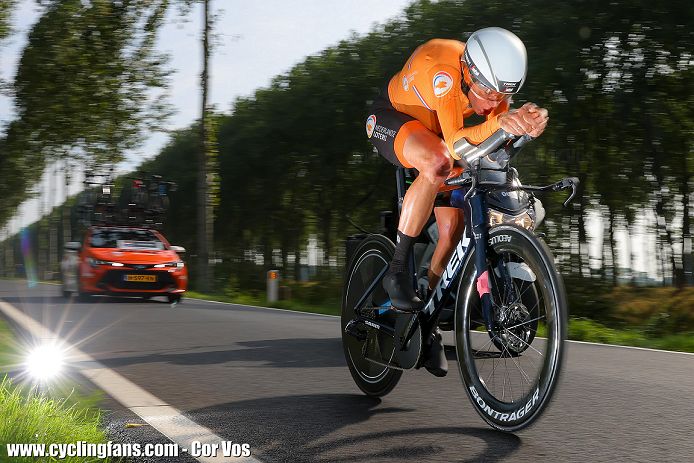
{"x":446,"y":230}
{"x":438,"y":169}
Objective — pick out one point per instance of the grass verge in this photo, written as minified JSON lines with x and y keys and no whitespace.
{"x":580,"y":329}
{"x":27,"y":416}
{"x":245,"y":299}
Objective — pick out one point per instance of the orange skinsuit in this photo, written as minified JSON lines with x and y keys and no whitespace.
{"x":429,"y":89}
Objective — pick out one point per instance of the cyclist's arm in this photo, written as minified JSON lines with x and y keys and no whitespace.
{"x":450,"y":108}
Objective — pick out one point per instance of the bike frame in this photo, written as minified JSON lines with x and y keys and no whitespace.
{"x":435,"y":303}
{"x":478,"y":218}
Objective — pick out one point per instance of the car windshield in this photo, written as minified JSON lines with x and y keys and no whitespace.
{"x":125,"y":238}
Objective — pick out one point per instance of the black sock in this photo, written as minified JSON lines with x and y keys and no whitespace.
{"x":402,"y":252}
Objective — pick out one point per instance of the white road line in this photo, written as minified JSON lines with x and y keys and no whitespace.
{"x":165,"y":418}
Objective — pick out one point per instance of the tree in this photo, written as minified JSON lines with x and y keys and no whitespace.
{"x":83,"y":88}
{"x":5,"y":12}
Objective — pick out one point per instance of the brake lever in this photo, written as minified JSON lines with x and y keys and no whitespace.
{"x":573,"y":183}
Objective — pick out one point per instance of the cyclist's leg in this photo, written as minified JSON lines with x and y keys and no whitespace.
{"x":427,"y":153}
{"x":405,"y":141}
{"x":451,"y":224}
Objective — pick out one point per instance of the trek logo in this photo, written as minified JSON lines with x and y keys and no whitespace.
{"x":513,"y":416}
{"x":453,"y":264}
{"x":370,"y":125}
{"x":442,"y":83}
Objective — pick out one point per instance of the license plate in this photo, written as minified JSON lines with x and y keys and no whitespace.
{"x":142,"y":278}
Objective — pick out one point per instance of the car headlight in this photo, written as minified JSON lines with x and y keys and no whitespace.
{"x":178,"y":264}
{"x":522,"y":220}
{"x":96,"y":262}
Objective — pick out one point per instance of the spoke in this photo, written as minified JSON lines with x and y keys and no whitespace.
{"x":523,"y":373}
{"x":510,"y":383}
{"x":524,"y":342}
{"x":493,"y":370}
{"x":488,"y":343}
{"x":520,"y":296}
{"x":524,"y":323}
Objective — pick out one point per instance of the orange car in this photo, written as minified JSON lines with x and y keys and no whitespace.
{"x":124,"y":261}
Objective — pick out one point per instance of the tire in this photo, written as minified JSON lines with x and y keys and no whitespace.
{"x":370,"y":258}
{"x":510,"y":390}
{"x":174,"y":299}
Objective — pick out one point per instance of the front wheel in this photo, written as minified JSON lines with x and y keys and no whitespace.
{"x":511,"y":372}
{"x":363,"y":289}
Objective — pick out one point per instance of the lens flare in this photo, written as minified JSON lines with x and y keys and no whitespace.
{"x":28,"y":255}
{"x":45,"y":362}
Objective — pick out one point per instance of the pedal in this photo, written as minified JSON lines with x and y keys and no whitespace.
{"x":352,"y":328}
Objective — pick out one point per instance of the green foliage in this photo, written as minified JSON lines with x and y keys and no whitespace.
{"x":31,"y":417}
{"x":660,"y":311}
{"x":5,"y":13}
{"x":60,"y":414}
{"x":85,"y":88}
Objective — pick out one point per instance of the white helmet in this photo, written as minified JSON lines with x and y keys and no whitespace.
{"x":496,"y":59}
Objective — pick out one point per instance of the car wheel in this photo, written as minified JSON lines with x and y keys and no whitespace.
{"x":174,"y":298}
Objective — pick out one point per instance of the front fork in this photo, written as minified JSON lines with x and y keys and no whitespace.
{"x":480,"y":232}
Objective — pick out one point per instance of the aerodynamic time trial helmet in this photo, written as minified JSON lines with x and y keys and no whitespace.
{"x":496,"y":59}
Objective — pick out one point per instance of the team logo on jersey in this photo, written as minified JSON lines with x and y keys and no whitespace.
{"x":370,"y":125}
{"x":405,"y":83}
{"x":443,"y":82}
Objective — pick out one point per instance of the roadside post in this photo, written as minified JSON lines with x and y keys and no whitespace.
{"x":273,"y":285}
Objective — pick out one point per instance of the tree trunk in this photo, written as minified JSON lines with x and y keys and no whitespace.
{"x":583,"y":248}
{"x":632,"y":257}
{"x":613,"y":247}
{"x":205,"y":230}
{"x":67,"y":223}
{"x":687,"y":258}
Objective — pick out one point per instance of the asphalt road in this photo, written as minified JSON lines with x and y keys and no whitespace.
{"x":278,"y":381}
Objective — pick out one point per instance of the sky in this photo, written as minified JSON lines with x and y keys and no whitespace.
{"x":255,"y":42}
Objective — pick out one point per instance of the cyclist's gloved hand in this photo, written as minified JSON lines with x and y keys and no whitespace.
{"x":515,"y":123}
{"x":535,"y":116}
{"x":528,"y":119}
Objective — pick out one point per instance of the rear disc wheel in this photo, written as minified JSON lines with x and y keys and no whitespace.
{"x":364,"y":275}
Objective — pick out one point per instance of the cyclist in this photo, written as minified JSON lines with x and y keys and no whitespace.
{"x":417,"y":119}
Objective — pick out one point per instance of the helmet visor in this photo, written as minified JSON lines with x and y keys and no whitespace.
{"x":486,"y":93}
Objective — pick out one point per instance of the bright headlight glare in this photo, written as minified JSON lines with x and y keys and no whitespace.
{"x":178,"y":264}
{"x":96,"y":262}
{"x":45,"y":362}
{"x":495,"y":217}
{"x":522,"y":220}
